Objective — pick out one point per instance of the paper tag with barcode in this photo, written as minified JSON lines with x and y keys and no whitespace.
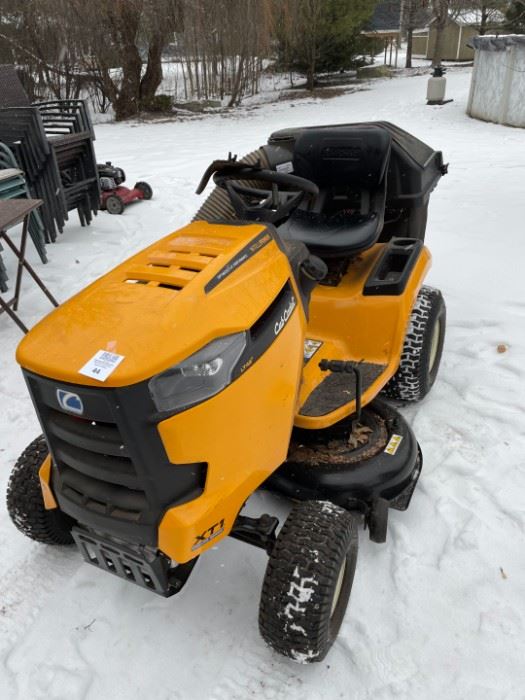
{"x":101,"y":365}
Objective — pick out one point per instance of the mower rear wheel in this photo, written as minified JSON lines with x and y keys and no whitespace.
{"x":145,"y":189}
{"x":422,"y":348}
{"x":308,"y":581}
{"x":25,"y":503}
{"x":114,"y":204}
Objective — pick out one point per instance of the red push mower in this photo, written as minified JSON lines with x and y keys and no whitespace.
{"x":114,"y":198}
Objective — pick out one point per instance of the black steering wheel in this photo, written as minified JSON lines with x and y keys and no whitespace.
{"x":254,"y":204}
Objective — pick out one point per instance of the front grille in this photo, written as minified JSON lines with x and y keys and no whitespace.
{"x":110,"y":469}
{"x":94,"y":466}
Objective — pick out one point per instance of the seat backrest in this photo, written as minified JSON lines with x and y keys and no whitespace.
{"x":343,"y":156}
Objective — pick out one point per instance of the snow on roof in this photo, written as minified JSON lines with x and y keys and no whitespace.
{"x":472,"y":17}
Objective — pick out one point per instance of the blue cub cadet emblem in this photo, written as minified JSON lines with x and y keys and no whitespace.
{"x":70,"y":402}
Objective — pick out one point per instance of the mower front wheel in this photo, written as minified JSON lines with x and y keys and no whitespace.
{"x":308,"y":581}
{"x":146,"y":190}
{"x":114,"y":204}
{"x":25,"y":502}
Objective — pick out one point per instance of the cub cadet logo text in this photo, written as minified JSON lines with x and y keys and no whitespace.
{"x":70,"y":402}
{"x":279,"y":325}
{"x":209,"y":534}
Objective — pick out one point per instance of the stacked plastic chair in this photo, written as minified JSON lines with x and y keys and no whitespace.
{"x":53,"y":144}
{"x":13,"y":186}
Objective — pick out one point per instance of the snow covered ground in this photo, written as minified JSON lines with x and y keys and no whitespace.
{"x":436,"y":612}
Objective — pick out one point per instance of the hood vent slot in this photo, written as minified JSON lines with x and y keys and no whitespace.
{"x":177,"y":262}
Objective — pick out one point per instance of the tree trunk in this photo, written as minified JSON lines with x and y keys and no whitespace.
{"x":404,"y":14}
{"x":440,"y":11}
{"x":438,"y":47}
{"x":152,"y":78}
{"x":127,"y":103}
{"x":124,"y":24}
{"x":484,"y":19}
{"x":237,"y":83}
{"x":310,"y":77}
{"x":408,"y":62}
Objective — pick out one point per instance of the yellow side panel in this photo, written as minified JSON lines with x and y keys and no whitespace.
{"x":243,"y":435}
{"x":44,"y":474}
{"x":357,"y":327}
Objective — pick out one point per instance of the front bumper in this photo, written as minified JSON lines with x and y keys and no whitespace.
{"x":150,"y":570}
{"x":110,"y":471}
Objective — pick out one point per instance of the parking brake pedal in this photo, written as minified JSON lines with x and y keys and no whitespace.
{"x":349,"y":367}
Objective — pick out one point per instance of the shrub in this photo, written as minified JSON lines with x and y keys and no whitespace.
{"x":159,"y":103}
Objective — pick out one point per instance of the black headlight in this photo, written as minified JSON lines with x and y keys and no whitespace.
{"x":200,"y":377}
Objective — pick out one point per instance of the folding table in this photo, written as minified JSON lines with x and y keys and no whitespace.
{"x":12,"y":212}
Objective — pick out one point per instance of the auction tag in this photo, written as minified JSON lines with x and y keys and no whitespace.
{"x":101,"y":365}
{"x":285,"y":167}
{"x":393,"y":444}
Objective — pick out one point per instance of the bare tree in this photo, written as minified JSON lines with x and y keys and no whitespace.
{"x":40,"y":39}
{"x":488,"y":13}
{"x":411,"y":13}
{"x":222,"y":45}
{"x":440,"y":12}
{"x":113,"y":49}
{"x":117,"y":39}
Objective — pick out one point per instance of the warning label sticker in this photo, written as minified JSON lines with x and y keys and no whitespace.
{"x":101,"y":365}
{"x":285,"y":167}
{"x":393,"y":444}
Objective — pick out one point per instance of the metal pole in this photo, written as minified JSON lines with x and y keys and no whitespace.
{"x":20,"y":267}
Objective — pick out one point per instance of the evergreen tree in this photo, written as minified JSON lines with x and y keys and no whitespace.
{"x":320,"y":35}
{"x":516,"y":17}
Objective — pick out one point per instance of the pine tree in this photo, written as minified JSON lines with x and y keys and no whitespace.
{"x":516,"y":17}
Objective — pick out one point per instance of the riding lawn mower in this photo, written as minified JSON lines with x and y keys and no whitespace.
{"x":261,"y":346}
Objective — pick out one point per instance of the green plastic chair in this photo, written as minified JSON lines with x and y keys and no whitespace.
{"x":13,"y":185}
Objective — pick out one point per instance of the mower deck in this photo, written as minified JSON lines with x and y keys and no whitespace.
{"x":385,"y":468}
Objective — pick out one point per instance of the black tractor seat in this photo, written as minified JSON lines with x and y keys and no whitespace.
{"x":331,"y":235}
{"x":349,"y":165}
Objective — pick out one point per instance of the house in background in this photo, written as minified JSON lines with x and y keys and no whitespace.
{"x":385,"y":26}
{"x":460,"y":29}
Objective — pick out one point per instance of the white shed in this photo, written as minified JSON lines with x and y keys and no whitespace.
{"x":497,"y":88}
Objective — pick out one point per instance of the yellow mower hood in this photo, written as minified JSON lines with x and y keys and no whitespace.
{"x":161,"y":305}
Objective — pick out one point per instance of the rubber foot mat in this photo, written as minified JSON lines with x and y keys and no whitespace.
{"x":337,"y":389}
